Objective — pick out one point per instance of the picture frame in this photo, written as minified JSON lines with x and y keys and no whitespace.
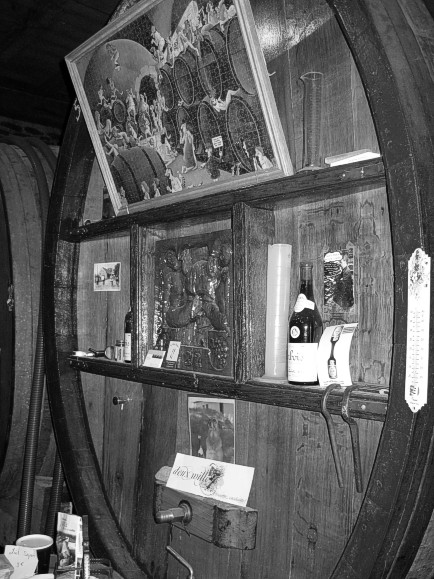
{"x":178,"y":103}
{"x":212,"y":428}
{"x":107,"y":277}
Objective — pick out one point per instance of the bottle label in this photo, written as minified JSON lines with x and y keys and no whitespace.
{"x":302,"y":362}
{"x":333,"y":371}
{"x":120,"y":351}
{"x":302,"y":303}
{"x":127,"y":348}
{"x":295,"y":332}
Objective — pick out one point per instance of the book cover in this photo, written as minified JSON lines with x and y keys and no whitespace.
{"x":69,"y":542}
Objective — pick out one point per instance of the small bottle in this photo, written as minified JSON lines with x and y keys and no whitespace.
{"x":305,"y":329}
{"x":128,"y":328}
{"x":120,"y":351}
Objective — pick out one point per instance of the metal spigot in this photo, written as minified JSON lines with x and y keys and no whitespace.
{"x":120,"y":401}
{"x":180,"y":514}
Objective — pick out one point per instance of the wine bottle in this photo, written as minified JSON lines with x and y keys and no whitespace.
{"x":305,"y":329}
{"x":128,"y":328}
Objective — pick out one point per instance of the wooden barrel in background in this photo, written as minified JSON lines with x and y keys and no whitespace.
{"x":26,"y":175}
{"x":238,"y":57}
{"x":186,"y":77}
{"x":213,"y":65}
{"x":308,"y":526}
{"x":134,"y":166}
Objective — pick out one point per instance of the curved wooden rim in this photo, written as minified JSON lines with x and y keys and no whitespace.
{"x":400,"y":495}
{"x":8,"y":335}
{"x":73,"y":436}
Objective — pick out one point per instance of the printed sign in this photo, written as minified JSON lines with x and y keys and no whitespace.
{"x":419,"y":287}
{"x":334,"y":355}
{"x":172,"y":354}
{"x":222,"y":481}
{"x":154,"y":358}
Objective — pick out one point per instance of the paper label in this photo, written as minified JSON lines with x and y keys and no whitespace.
{"x":172,"y":354}
{"x":127,"y":348}
{"x":24,"y":560}
{"x":222,"y":481}
{"x":302,"y":302}
{"x":154,"y":358}
{"x":334,"y":355}
{"x":302,"y":362}
{"x":416,"y":375}
{"x":217,"y":142}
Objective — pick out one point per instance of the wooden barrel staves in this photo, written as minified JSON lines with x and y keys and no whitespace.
{"x":26,"y":170}
{"x":311,"y":522}
{"x":238,"y":57}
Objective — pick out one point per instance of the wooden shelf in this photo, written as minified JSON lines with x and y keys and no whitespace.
{"x":325,"y":182}
{"x":365,"y":402}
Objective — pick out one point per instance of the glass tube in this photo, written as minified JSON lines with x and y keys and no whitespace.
{"x":276,"y":333}
{"x":312,"y":119}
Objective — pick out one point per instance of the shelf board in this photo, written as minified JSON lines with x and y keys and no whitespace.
{"x":366,"y":401}
{"x":329,"y":181}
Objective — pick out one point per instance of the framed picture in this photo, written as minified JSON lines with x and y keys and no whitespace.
{"x":107,"y":277}
{"x":212,"y":425}
{"x":178,"y":102}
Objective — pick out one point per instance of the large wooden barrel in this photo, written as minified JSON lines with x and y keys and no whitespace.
{"x":238,"y":57}
{"x":213,"y":65}
{"x":26,"y":175}
{"x":134,"y":166}
{"x":186,"y":77}
{"x":377,"y":71}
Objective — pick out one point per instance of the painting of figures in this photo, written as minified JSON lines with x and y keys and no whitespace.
{"x":177,"y":101}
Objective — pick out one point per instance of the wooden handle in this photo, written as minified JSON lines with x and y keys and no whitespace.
{"x":216,"y":522}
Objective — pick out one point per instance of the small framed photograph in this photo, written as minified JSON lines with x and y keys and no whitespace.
{"x":178,"y":103}
{"x":212,"y":427}
{"x":107,"y":277}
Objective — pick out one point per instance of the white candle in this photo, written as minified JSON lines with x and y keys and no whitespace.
{"x":278,"y":286}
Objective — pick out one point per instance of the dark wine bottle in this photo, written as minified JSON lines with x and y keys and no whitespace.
{"x":305,"y":329}
{"x":128,"y":329}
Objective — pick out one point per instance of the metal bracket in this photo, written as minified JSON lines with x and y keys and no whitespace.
{"x":181,"y":560}
{"x":331,"y":430}
{"x":355,"y":442}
